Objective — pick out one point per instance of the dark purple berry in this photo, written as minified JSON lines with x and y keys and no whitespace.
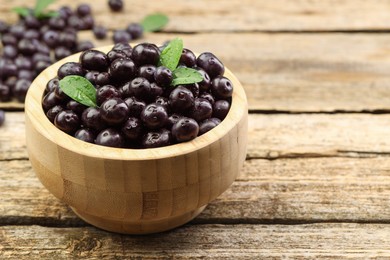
{"x":110,"y":137}
{"x":155,"y":90}
{"x":122,"y":70}
{"x":221,"y":109}
{"x":83,"y":10}
{"x":26,"y":74}
{"x":146,"y":53}
{"x":135,"y":106}
{"x":65,"y":12}
{"x":205,"y":84}
{"x":187,"y":58}
{"x":8,"y":39}
{"x":67,"y":121}
{"x":135,"y":30}
{"x":40,"y":57}
{"x":100,"y":32}
{"x":124,"y":47}
{"x":163,"y":76}
{"x":51,"y":38}
{"x":114,"y":111}
{"x":107,"y":92}
{"x":32,"y":22}
{"x":23,"y":63}
{"x":221,"y":87}
{"x":57,"y":23}
{"x":87,"y":22}
{"x":211,"y":64}
{"x":5,"y":93}
{"x":91,"y":118}
{"x":116,"y":54}
{"x":60,"y":95}
{"x":156,"y":139}
{"x":7,"y":68}
{"x":52,"y":85}
{"x":115,"y":5}
{"x":68,"y":40}
{"x":94,"y":60}
{"x":10,"y":52}
{"x":52,"y":112}
{"x":84,"y":45}
{"x":147,"y":72}
{"x":61,"y":52}
{"x":172,"y":119}
{"x":70,"y":68}
{"x":20,"y":89}
{"x":154,"y":116}
{"x":121,"y":36}
{"x":185,"y":129}
{"x":132,"y":129}
{"x":32,"y":34}
{"x":208,"y":124}
{"x":17,"y":30}
{"x":75,"y":22}
{"x":140,"y":88}
{"x":163,"y":101}
{"x":75,"y":106}
{"x":3,"y":27}
{"x":181,"y":99}
{"x":41,"y":65}
{"x":201,"y":110}
{"x":207,"y":96}
{"x":85,"y":134}
{"x":103,"y":78}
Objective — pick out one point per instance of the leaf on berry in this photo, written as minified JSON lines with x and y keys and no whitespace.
{"x":79,"y":89}
{"x":154,"y":22}
{"x":183,"y":76}
{"x":171,"y":54}
{"x":23,"y":11}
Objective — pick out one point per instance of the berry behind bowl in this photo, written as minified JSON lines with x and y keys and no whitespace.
{"x":135,"y":191}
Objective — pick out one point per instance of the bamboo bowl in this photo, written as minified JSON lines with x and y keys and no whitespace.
{"x":135,"y":191}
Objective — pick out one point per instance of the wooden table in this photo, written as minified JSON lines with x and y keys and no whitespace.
{"x":316,"y":183}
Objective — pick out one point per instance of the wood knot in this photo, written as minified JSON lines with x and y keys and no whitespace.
{"x":84,"y":246}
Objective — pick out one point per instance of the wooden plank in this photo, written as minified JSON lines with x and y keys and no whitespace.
{"x":270,"y":136}
{"x":241,"y":15}
{"x":300,"y":72}
{"x":277,"y":191}
{"x":320,"y":241}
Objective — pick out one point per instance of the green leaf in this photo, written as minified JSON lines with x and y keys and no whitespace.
{"x":184,"y":75}
{"x":170,"y":55}
{"x":23,"y":11}
{"x":48,"y":14}
{"x":154,"y":22}
{"x":41,"y":5}
{"x":79,"y":89}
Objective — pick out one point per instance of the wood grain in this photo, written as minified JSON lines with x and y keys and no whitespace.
{"x":319,"y":241}
{"x":240,"y":15}
{"x":271,"y":136}
{"x":299,"y":72}
{"x":267,"y":191}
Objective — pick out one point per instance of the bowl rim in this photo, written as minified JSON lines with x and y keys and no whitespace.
{"x":35,"y":113}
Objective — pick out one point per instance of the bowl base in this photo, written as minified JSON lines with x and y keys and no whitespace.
{"x":138,"y":227}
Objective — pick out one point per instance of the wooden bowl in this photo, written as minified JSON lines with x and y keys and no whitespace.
{"x":135,"y":191}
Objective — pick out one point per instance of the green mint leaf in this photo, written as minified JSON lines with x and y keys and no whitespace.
{"x":41,"y":5}
{"x":79,"y":89}
{"x":185,"y":75}
{"x":23,"y":11}
{"x":154,"y":22}
{"x":48,"y":14}
{"x":170,"y":55}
